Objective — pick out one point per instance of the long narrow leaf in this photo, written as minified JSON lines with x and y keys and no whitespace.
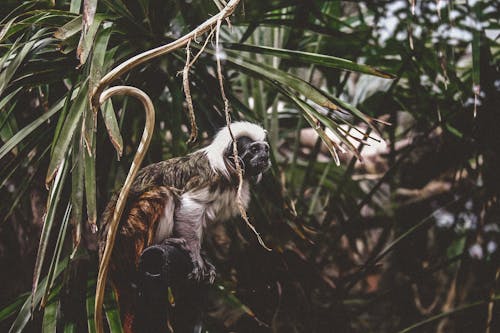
{"x":9,"y":71}
{"x":62,"y":144}
{"x":89,"y":170}
{"x":52,"y":205}
{"x":112,"y":312}
{"x":69,"y":29}
{"x":25,"y":312}
{"x":77,"y":188}
{"x":446,"y":314}
{"x":311,"y":58}
{"x":87,"y":38}
{"x":90,"y":302}
{"x":50,"y":317}
{"x":57,"y":254}
{"x":14,"y":307}
{"x":111,"y":123}
{"x":24,"y":132}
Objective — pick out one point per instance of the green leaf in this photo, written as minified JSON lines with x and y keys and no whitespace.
{"x":61,"y":119}
{"x":69,"y":29}
{"x":57,"y":254}
{"x":90,"y":302}
{"x":299,"y":85}
{"x":77,"y":186}
{"x":24,"y":132}
{"x":8,"y":72}
{"x":234,"y":302}
{"x":69,"y":328}
{"x":282,"y":79}
{"x":25,"y":312}
{"x":311,"y":58}
{"x":50,"y":317}
{"x":89,"y":170}
{"x":87,"y":39}
{"x":8,"y":126}
{"x":309,"y":113}
{"x":75,"y":6}
{"x":287,"y":79}
{"x":13,"y":307}
{"x":52,"y":205}
{"x":109,"y":116}
{"x":98,"y":66}
{"x":119,"y":8}
{"x":61,"y":147}
{"x":6,"y":28}
{"x":112,"y":312}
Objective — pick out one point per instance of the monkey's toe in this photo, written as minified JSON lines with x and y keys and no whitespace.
{"x":203,"y":273}
{"x":209,"y":272}
{"x":197,"y":273}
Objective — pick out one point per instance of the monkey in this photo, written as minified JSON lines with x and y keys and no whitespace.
{"x":173,"y":200}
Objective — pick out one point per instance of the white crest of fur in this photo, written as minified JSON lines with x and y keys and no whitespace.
{"x":222,"y":140}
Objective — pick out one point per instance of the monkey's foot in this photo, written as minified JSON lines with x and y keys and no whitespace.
{"x":202,"y":271}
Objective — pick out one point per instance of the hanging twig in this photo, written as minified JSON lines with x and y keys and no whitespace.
{"x":189,"y":99}
{"x":239,"y":171}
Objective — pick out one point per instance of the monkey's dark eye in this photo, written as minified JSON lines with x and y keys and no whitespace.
{"x":254,"y":149}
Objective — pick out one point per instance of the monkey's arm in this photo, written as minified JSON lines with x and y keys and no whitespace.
{"x":190,"y":219}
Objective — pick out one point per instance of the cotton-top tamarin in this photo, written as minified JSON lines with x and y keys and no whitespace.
{"x":175,"y":199}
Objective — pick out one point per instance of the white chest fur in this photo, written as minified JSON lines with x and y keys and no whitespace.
{"x":201,"y":207}
{"x":219,"y":205}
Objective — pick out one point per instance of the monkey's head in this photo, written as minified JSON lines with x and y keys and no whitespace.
{"x":253,"y":156}
{"x":253,"y":150}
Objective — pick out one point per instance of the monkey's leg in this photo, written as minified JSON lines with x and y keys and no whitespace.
{"x":188,"y":226}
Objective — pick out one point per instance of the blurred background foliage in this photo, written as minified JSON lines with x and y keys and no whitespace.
{"x":406,"y":241}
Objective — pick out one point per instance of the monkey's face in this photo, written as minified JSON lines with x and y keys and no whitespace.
{"x":253,"y":155}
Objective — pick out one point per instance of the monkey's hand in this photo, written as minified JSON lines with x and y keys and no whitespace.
{"x":203,"y":270}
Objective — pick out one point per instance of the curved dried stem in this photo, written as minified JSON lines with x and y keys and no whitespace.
{"x":122,"y":198}
{"x":161,"y":50}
